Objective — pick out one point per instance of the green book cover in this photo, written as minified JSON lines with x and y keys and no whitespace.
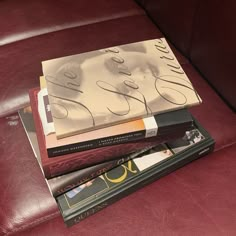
{"x":104,"y":190}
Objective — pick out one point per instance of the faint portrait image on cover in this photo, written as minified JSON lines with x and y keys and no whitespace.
{"x":109,"y":86}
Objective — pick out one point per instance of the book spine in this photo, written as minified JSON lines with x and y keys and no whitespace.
{"x":157,"y":125}
{"x":150,"y":130}
{"x":163,"y":170}
{"x":74,"y":161}
{"x":96,"y":143}
{"x":78,"y":180}
{"x":114,"y":152}
{"x":59,"y":186}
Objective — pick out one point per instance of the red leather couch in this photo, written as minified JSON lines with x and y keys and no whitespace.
{"x":198,"y":199}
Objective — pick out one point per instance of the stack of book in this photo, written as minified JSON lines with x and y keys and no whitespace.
{"x":105,"y":123}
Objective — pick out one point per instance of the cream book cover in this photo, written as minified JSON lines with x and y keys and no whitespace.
{"x":114,"y":85}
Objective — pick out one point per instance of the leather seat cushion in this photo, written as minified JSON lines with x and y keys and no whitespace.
{"x":24,"y":19}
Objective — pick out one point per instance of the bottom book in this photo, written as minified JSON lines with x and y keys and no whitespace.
{"x":100,"y":192}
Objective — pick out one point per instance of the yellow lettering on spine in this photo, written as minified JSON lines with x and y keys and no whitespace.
{"x":124,"y":175}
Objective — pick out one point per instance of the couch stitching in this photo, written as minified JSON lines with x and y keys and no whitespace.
{"x":33,"y":223}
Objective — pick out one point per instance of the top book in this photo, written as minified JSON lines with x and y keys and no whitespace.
{"x":114,"y":85}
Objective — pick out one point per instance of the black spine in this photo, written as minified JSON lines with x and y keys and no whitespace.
{"x":96,"y":143}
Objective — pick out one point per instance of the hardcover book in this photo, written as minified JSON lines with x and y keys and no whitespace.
{"x":115,"y":85}
{"x":85,"y":200}
{"x":61,"y":184}
{"x":63,"y":164}
{"x":152,"y":126}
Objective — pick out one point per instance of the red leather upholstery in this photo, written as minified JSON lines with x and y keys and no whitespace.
{"x":213,"y":114}
{"x":197,"y":199}
{"x":25,"y":19}
{"x":25,"y":197}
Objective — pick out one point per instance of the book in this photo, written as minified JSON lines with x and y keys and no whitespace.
{"x":89,"y":198}
{"x":63,"y":164}
{"x":64,"y":183}
{"x":104,"y":87}
{"x":61,"y":184}
{"x":152,"y":126}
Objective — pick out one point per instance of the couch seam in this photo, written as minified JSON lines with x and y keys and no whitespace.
{"x":45,"y":31}
{"x":225,"y":146}
{"x":195,"y":17}
{"x":33,"y":223}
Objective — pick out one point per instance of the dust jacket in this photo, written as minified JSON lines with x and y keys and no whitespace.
{"x":152,"y":126}
{"x":114,"y":85}
{"x":64,"y":164}
{"x":85,"y":200}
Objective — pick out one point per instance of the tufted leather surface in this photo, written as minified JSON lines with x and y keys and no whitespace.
{"x":25,"y":198}
{"x":198,"y":198}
